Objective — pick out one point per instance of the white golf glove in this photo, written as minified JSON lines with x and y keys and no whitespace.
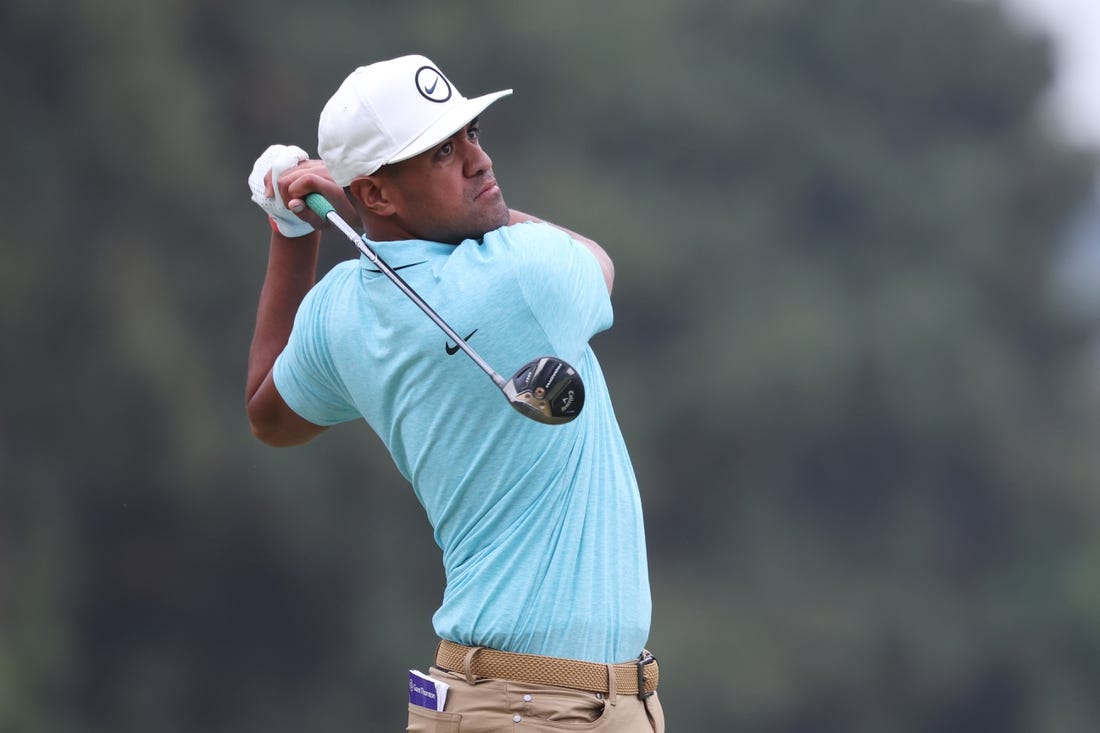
{"x":277,"y":159}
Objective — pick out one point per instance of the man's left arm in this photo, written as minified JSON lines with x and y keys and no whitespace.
{"x":606,"y":265}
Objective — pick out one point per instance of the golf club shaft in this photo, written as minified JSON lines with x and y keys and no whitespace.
{"x":320,"y":206}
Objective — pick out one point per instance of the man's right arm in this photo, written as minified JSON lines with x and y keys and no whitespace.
{"x":283,"y":174}
{"x":291,"y":272}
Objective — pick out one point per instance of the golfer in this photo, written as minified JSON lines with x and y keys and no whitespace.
{"x":546,"y":611}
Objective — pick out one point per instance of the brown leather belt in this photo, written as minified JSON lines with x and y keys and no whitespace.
{"x":638,"y":677}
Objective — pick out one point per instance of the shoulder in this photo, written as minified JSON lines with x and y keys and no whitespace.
{"x":342,"y":271}
{"x":531,"y":231}
{"x":335,"y":279}
{"x":325,"y":298}
{"x":530,"y":242}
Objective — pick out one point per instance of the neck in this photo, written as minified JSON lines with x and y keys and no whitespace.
{"x":384,"y":229}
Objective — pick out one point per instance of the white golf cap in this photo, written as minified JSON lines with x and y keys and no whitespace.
{"x":390,"y":111}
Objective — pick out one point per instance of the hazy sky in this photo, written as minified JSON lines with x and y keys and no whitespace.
{"x":1076,"y":96}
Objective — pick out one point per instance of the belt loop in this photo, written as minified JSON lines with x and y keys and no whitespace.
{"x":612,"y":688}
{"x":470,"y":678}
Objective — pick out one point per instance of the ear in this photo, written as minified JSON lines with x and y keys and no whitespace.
{"x":372,"y":193}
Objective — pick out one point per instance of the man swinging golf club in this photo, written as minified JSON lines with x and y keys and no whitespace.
{"x":546,"y":609}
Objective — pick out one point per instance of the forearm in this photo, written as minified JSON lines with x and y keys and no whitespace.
{"x":606,"y":265}
{"x":291,"y":272}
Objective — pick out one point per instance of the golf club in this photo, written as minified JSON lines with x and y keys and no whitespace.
{"x":547,"y":389}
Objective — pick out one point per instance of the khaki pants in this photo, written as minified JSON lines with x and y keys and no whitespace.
{"x":493,"y":706}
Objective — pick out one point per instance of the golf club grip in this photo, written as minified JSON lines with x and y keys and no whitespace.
{"x":324,"y":209}
{"x":319,"y":204}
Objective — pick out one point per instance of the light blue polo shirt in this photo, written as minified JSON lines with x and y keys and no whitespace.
{"x":540,"y":525}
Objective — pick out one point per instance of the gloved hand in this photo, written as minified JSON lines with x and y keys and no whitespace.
{"x":277,"y":159}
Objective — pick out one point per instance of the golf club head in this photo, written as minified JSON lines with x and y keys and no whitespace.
{"x":547,"y":390}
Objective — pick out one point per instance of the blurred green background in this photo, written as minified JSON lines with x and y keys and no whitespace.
{"x":860,"y":389}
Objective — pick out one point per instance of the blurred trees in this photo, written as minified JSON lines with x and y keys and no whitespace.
{"x":863,"y":421}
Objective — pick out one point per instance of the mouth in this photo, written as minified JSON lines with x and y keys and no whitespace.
{"x":490,"y":188}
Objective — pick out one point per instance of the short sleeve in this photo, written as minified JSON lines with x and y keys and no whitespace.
{"x":304,"y":372}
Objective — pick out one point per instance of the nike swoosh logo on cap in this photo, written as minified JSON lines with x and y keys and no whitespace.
{"x":452,"y":350}
{"x":432,"y":85}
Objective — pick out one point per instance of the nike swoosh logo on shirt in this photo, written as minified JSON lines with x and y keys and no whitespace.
{"x":452,"y":350}
{"x":395,"y":269}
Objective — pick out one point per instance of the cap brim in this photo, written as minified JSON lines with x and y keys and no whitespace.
{"x":453,"y":120}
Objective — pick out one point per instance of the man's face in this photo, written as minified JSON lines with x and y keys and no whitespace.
{"x":448,"y":193}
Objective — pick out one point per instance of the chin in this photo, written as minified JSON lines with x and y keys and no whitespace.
{"x":491,"y":223}
{"x":503,"y":216}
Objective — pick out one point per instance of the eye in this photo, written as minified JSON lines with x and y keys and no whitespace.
{"x":473,"y":132}
{"x":445,"y":149}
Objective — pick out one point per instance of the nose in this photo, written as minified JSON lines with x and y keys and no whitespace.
{"x":477,"y":161}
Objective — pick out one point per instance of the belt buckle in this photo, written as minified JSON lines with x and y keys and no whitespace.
{"x":643,"y":659}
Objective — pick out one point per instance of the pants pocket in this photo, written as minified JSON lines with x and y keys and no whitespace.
{"x":656,"y":713}
{"x":557,"y":706}
{"x":422,"y":720}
